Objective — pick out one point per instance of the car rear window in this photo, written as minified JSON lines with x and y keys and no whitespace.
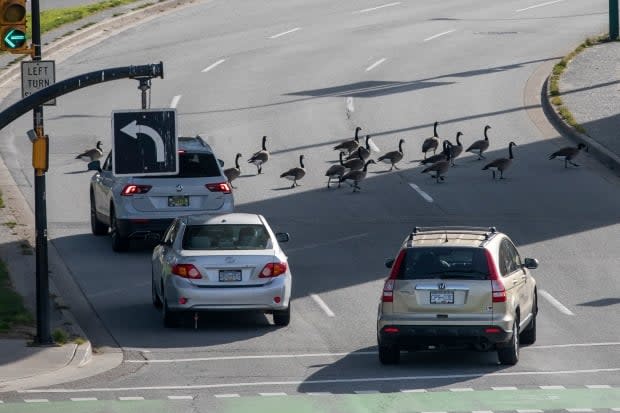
{"x":444,"y":263}
{"x":196,"y":165}
{"x":225,"y":237}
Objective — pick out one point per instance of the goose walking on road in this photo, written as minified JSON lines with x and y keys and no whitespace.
{"x":441,"y":167}
{"x":350,"y":145}
{"x":356,"y":176}
{"x":431,"y":143}
{"x":295,"y":174}
{"x":456,"y":150}
{"x":233,"y":173}
{"x":568,"y":153}
{"x":393,"y":157}
{"x":91,"y":154}
{"x":261,"y":157}
{"x":501,"y":164}
{"x":336,"y":171}
{"x":363,"y":152}
{"x":441,"y":156}
{"x":480,"y":145}
{"x":355,"y":164}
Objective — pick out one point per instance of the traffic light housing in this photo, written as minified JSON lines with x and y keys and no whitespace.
{"x":13,"y":26}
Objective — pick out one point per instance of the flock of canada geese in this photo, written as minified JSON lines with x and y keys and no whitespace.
{"x":354,"y":159}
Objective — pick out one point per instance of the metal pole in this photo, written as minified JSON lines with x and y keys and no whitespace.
{"x":40,"y":207}
{"x":613,"y":19}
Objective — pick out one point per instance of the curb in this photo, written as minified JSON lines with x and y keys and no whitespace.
{"x":602,"y":154}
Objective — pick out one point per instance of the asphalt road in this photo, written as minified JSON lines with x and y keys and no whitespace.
{"x":305,"y":73}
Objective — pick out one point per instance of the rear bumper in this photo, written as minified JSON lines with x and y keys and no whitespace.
{"x":424,"y":336}
{"x":143,"y":228}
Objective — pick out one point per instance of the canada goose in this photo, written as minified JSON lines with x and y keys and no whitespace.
{"x":456,"y":150}
{"x":336,"y":171}
{"x":363,"y":152}
{"x":295,"y":174}
{"x":568,"y":153}
{"x":431,"y":143}
{"x":480,"y":145}
{"x":355,"y":164}
{"x":351,"y":144}
{"x":393,"y":157}
{"x":233,"y":173}
{"x":91,"y":154}
{"x":441,"y":167}
{"x":357,"y":176}
{"x":260,"y":157}
{"x":441,"y":156}
{"x":501,"y":164}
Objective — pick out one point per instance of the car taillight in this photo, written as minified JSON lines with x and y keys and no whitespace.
{"x":388,"y":287}
{"x":497,"y":286}
{"x":219,"y":187}
{"x":186,"y":271}
{"x":132,"y":189}
{"x":391,"y":330}
{"x":273,"y":269}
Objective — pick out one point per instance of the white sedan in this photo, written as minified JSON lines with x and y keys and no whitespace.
{"x":221,"y":262}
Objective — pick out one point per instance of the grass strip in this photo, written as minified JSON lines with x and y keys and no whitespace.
{"x":12,"y":310}
{"x":1,"y":200}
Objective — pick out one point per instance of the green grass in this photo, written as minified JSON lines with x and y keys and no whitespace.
{"x":59,"y":336}
{"x":10,"y":224}
{"x":1,"y":200}
{"x":12,"y":310}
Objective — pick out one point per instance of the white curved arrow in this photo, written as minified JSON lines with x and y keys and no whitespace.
{"x":133,"y":129}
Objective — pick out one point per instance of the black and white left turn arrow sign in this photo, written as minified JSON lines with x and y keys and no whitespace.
{"x":144,"y":142}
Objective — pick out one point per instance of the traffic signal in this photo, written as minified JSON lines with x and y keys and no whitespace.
{"x":13,"y":26}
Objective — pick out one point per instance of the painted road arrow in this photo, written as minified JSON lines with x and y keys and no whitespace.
{"x":14,"y":38}
{"x":133,"y":129}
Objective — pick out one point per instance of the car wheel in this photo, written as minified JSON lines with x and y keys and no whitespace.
{"x":283,"y":317}
{"x":97,"y":227}
{"x":119,"y":243}
{"x":510,"y":354}
{"x":154,"y":297}
{"x":529,"y":335}
{"x":170,"y":318}
{"x":389,"y":354}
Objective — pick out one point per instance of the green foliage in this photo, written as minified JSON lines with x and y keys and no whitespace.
{"x":59,"y":336}
{"x":12,"y":310}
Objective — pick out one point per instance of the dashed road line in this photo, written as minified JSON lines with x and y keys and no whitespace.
{"x":130,"y":398}
{"x":481,"y":411}
{"x":227,"y":395}
{"x":273,"y":394}
{"x":552,"y":387}
{"x":539,"y":5}
{"x":461,"y":389}
{"x":213,"y":66}
{"x":83,"y":399}
{"x":323,"y":305}
{"x":180,"y":397}
{"x":275,"y":36}
{"x":175,"y":101}
{"x":414,"y":391}
{"x":319,"y":393}
{"x":375,"y":64}
{"x":366,"y":391}
{"x":377,"y":7}
{"x":350,"y":104}
{"x":423,"y":194}
{"x":36,"y":400}
{"x":615,"y":409}
{"x":554,"y":302}
{"x":579,"y":410}
{"x":598,"y":386}
{"x":529,"y":411}
{"x":255,"y":357}
{"x":576,"y":345}
{"x":504,"y":388}
{"x":439,"y":35}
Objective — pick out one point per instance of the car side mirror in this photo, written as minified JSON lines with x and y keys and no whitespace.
{"x":282,"y":236}
{"x":94,"y":166}
{"x":389,"y":262}
{"x":530,"y":263}
{"x":221,"y":162}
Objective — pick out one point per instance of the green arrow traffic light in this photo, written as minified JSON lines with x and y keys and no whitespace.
{"x":14,"y":38}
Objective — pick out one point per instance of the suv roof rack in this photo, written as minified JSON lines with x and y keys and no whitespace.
{"x":486,"y":232}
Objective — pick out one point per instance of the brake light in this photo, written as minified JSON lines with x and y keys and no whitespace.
{"x":132,"y":189}
{"x":388,"y":287}
{"x":273,"y":269}
{"x":186,"y":271}
{"x":219,"y":187}
{"x":498,"y":290}
{"x":397,"y":264}
{"x":492,"y":330}
{"x":391,"y":330}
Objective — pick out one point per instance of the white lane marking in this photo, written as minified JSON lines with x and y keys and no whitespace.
{"x":36,"y":400}
{"x":175,"y":101}
{"x":435,"y":412}
{"x":275,"y":36}
{"x":504,"y":388}
{"x":83,"y":399}
{"x":325,"y":381}
{"x":439,"y":35}
{"x":460,"y":389}
{"x":615,"y":409}
{"x":181,"y":397}
{"x":373,"y":146}
{"x":322,"y":244}
{"x":539,"y":5}
{"x":274,"y":394}
{"x":413,"y":391}
{"x":378,"y":7}
{"x":322,"y":304}
{"x":579,"y":410}
{"x":529,"y":411}
{"x":481,"y":411}
{"x":552,"y":387}
{"x":257,"y":357}
{"x":366,"y":391}
{"x":554,"y":302}
{"x":214,"y":65}
{"x":598,"y":386}
{"x":318,"y":393}
{"x":130,"y":398}
{"x":350,"y":105}
{"x":423,"y":194}
{"x":227,"y":395}
{"x":576,"y":345}
{"x":375,"y":64}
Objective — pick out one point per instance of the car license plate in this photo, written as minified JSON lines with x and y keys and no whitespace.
{"x":442,"y":297}
{"x":178,"y":201}
{"x":228,"y":275}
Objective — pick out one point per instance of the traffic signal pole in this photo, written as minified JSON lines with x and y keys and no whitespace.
{"x":44,"y":336}
{"x":613,"y":19}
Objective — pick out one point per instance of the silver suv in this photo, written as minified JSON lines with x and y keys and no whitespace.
{"x":144,"y":206}
{"x":455,"y":287}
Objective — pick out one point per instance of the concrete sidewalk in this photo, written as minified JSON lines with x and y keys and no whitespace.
{"x":589,"y":88}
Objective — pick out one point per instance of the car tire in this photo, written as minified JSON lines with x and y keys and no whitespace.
{"x":509,"y":355}
{"x":282,"y":318}
{"x":119,"y":243}
{"x":154,"y":297}
{"x":97,"y":227}
{"x":529,"y":335}
{"x":170,"y":318}
{"x":389,"y":354}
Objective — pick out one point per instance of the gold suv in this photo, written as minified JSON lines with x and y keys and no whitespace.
{"x":457,"y":287}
